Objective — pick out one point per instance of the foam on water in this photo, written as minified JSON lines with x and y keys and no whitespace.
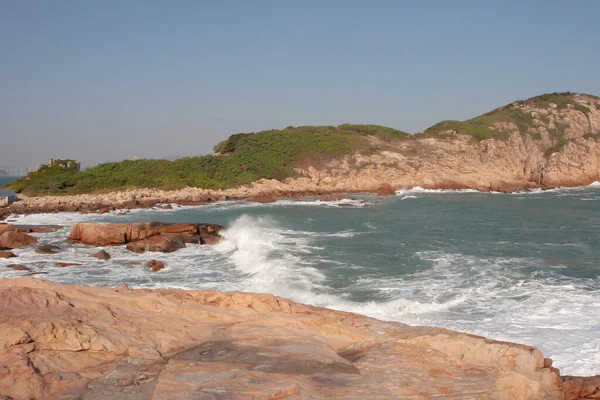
{"x":505,"y":298}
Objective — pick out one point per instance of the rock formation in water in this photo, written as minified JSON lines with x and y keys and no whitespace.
{"x":145,"y":236}
{"x":79,"y":342}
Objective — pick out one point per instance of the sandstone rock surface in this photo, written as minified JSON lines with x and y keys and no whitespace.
{"x":11,"y":239}
{"x":100,"y":234}
{"x":66,"y":342}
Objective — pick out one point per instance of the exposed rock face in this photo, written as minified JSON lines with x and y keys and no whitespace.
{"x":172,"y":344}
{"x":152,"y":234}
{"x":160,"y":243}
{"x":11,"y":239}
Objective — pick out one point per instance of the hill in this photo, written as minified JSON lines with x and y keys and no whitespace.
{"x":514,"y":143}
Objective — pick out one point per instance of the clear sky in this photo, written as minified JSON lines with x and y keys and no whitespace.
{"x":109,"y":80}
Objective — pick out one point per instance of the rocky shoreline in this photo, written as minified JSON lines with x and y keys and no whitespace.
{"x":264,"y":191}
{"x":79,"y":342}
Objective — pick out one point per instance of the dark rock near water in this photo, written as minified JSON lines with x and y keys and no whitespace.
{"x":18,"y":267}
{"x":65,"y":264}
{"x":102,"y":255}
{"x":154,"y":265}
{"x":48,"y":249}
{"x":7,"y":254}
{"x":161,"y":243}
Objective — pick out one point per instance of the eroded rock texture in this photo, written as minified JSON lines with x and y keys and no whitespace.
{"x":70,"y":342}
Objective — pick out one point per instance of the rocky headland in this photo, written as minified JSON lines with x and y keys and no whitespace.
{"x":544,"y":142}
{"x":80,"y":342}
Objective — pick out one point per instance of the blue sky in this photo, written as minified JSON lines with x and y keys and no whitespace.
{"x":109,"y":80}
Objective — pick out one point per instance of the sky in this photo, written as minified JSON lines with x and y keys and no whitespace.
{"x":108,"y":80}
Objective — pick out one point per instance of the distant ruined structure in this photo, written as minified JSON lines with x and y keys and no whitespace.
{"x":61,"y":163}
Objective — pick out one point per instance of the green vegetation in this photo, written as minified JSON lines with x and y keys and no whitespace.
{"x":274,"y":154}
{"x":481,"y":127}
{"x":242,"y":158}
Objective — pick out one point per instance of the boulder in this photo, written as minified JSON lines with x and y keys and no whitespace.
{"x":12,"y":239}
{"x":133,"y":263}
{"x":48,"y":249}
{"x":162,"y":243}
{"x":102,"y":255}
{"x":18,"y":267}
{"x":99,"y":234}
{"x":7,"y":228}
{"x":154,"y":265}
{"x":7,"y":254}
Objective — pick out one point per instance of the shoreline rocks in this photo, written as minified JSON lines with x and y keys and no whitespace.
{"x":144,"y":236}
{"x":246,"y":346}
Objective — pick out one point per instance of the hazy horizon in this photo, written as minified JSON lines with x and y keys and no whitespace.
{"x":108,"y":81}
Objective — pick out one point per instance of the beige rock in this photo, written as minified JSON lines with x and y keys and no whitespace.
{"x":13,"y":240}
{"x":97,"y":343}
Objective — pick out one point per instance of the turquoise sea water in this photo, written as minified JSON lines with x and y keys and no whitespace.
{"x":7,"y":179}
{"x":520,"y":267}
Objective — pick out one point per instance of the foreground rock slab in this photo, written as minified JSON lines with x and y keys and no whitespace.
{"x":67,"y":342}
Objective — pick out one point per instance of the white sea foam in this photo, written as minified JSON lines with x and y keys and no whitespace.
{"x":494,"y":297}
{"x":418,"y":189}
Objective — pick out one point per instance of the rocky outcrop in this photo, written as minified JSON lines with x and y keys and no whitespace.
{"x":160,"y":243}
{"x":85,"y":342}
{"x":145,"y":236}
{"x":11,"y":239}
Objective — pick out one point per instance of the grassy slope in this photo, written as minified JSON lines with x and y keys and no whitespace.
{"x":242,"y":158}
{"x":247,"y":157}
{"x":480,"y":127}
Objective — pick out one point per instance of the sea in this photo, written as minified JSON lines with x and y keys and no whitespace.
{"x":521,"y":267}
{"x":5,"y":180}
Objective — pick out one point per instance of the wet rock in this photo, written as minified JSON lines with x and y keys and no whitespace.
{"x":154,"y":265}
{"x":102,"y":255}
{"x":262,"y":198}
{"x":162,"y":244}
{"x":48,"y":249}
{"x":7,"y":254}
{"x":12,"y":239}
{"x":133,"y":263}
{"x":18,"y":267}
{"x":99,"y":234}
{"x":385,"y":189}
{"x":66,"y":264}
{"x":38,"y":228}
